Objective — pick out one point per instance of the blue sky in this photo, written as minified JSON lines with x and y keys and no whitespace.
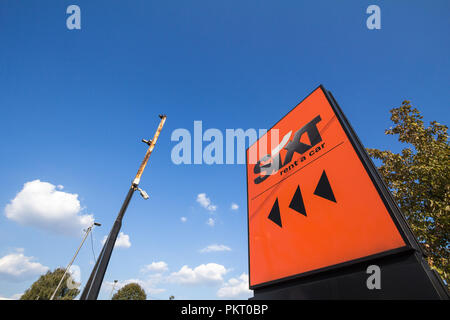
{"x":76,"y":103}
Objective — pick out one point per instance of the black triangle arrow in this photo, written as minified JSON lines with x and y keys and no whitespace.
{"x":275,"y":214}
{"x":323,"y":188}
{"x":297,"y":202}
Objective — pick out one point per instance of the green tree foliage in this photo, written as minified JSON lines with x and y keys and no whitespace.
{"x":131,"y":291}
{"x":43,"y":288}
{"x":419,"y":178}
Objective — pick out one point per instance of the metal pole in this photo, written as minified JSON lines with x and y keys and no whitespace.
{"x":92,"y":288}
{"x":112,"y":290}
{"x":73,"y":259}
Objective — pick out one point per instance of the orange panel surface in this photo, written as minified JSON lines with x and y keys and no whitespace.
{"x":320,"y":208}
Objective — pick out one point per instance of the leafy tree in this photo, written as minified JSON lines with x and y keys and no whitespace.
{"x":419,"y":178}
{"x":43,"y":288}
{"x":131,"y":291}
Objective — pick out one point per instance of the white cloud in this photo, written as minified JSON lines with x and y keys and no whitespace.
{"x":17,"y":266}
{"x":211,"y":222}
{"x":122,"y":241}
{"x":183,"y":219}
{"x":215,"y":248}
{"x":235,"y":287}
{"x":234,"y":206}
{"x":149,"y":285}
{"x":40,"y":205}
{"x":159,"y":266}
{"x":154,"y":291}
{"x":16,"y":296}
{"x":205,"y":202}
{"x":209,"y":274}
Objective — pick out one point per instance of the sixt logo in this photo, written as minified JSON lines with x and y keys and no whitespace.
{"x":271,"y":164}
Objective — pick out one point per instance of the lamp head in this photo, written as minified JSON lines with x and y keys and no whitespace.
{"x":143,"y":194}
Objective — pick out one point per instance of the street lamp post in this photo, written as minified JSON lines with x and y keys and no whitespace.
{"x":92,"y":288}
{"x":113,"y":287}
{"x":73,"y":259}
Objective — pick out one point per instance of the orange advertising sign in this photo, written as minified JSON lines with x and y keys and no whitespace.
{"x":311,"y":202}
